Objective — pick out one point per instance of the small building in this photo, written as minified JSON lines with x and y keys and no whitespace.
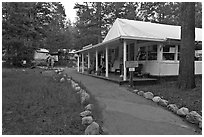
{"x":156,"y":47}
{"x":41,"y":54}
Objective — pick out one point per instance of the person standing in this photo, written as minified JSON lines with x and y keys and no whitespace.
{"x":48,"y":61}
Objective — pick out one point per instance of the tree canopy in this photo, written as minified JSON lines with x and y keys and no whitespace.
{"x":90,"y":24}
{"x":30,"y":25}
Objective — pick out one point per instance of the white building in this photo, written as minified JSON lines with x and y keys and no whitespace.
{"x":155,"y":46}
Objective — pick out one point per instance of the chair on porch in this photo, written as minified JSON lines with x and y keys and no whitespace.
{"x":116,"y":67}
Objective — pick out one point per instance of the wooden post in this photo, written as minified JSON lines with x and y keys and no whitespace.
{"x":131,"y":78}
{"x":106,"y":61}
{"x":82,"y":62}
{"x":131,"y":65}
{"x":124,"y":60}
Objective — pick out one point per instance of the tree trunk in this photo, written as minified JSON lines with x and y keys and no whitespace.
{"x":186,"y":79}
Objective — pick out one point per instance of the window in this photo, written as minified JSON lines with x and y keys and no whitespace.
{"x":152,"y":52}
{"x":198,"y":55}
{"x":142,"y":53}
{"x":148,"y":53}
{"x":169,"y":52}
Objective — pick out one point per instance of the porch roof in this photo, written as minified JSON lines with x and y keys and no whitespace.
{"x":147,"y":31}
{"x":139,"y":30}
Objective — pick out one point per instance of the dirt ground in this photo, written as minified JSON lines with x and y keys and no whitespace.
{"x":125,"y":113}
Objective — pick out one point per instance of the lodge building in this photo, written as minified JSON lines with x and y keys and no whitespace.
{"x":155,"y":47}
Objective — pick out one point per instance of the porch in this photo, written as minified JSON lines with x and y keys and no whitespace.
{"x":119,"y":80}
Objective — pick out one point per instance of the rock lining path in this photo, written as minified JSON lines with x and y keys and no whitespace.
{"x":125,"y":113}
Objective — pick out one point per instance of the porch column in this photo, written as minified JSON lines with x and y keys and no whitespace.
{"x":96,"y":60}
{"x":82,"y":62}
{"x":124,"y":59}
{"x":88,"y":60}
{"x":106,"y":61}
{"x":78,"y":63}
{"x":159,"y":52}
{"x":176,"y":53}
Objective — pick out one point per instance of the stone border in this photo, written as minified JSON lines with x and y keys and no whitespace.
{"x":192,"y":117}
{"x":92,"y":127}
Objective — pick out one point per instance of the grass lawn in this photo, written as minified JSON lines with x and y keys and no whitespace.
{"x":33,"y":103}
{"x":191,"y":99}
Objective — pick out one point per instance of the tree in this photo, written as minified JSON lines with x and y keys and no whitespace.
{"x":198,"y":14}
{"x":166,"y":12}
{"x":18,"y":30}
{"x":96,"y":18}
{"x":58,"y":34}
{"x":114,"y":10}
{"x":30,"y":25}
{"x":89,"y":24}
{"x":186,"y":79}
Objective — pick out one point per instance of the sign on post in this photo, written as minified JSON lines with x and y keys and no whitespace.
{"x":131,"y":69}
{"x":131,"y":64}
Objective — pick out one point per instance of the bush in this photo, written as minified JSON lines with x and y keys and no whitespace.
{"x":17,"y":59}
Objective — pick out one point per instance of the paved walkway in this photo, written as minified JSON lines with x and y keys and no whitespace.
{"x":125,"y":113}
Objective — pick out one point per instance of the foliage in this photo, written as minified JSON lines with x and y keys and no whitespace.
{"x":87,"y":27}
{"x":167,"y":12}
{"x":95,"y":18}
{"x":30,"y":25}
{"x":91,"y":24}
{"x":162,"y":12}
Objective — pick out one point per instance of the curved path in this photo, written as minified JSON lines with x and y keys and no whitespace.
{"x":125,"y":113}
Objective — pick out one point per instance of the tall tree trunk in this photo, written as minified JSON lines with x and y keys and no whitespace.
{"x":99,"y":21}
{"x":186,"y":79}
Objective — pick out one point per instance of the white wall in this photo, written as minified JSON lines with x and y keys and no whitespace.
{"x":151,"y":67}
{"x":166,"y":68}
{"x":198,"y":67}
{"x":162,"y":67}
